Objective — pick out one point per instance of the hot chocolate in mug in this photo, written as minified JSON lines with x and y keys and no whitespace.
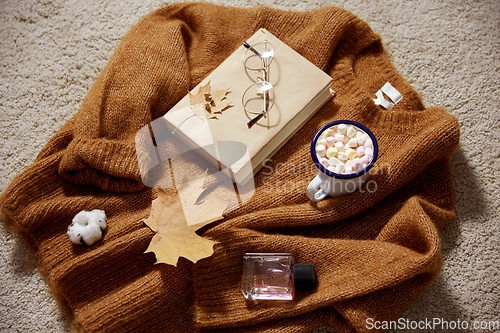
{"x":343,"y":151}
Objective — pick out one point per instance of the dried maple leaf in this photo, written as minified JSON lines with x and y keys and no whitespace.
{"x":198,"y":102}
{"x":200,"y":208}
{"x":174,"y":238}
{"x":175,"y":219}
{"x":218,"y":96}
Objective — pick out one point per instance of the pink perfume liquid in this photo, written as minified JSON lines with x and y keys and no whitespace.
{"x":271,"y":276}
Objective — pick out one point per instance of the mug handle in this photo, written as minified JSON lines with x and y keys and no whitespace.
{"x":313,"y":189}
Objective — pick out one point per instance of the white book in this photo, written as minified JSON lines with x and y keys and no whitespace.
{"x":300,"y":89}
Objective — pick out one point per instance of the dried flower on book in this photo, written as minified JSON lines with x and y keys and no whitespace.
{"x":206,"y":104}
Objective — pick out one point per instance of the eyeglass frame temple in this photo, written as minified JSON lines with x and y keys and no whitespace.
{"x":266,"y":93}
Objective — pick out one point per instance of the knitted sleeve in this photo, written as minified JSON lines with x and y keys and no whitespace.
{"x":148,"y":73}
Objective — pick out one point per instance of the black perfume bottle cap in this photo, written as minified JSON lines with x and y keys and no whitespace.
{"x":304,"y":277}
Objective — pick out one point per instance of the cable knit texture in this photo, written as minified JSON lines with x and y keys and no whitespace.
{"x":374,"y":251}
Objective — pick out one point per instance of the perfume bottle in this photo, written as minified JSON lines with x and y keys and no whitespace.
{"x":275,"y":276}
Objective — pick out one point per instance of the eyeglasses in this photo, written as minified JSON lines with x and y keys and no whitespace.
{"x":258,"y":99}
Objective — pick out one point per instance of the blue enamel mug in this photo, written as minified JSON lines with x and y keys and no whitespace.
{"x":340,"y":175}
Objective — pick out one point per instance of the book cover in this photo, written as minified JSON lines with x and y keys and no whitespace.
{"x":224,"y":137}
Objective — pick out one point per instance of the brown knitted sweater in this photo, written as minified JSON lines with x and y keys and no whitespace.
{"x":374,"y":252}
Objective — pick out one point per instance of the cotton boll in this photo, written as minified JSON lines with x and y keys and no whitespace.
{"x":91,"y":234}
{"x":81,"y":218}
{"x":98,"y":217}
{"x":75,"y":233}
{"x":87,"y":227}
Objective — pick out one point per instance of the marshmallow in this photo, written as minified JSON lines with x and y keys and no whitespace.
{"x":340,"y":168}
{"x":334,"y":161}
{"x":344,"y":149}
{"x":351,"y":153}
{"x":329,"y":132}
{"x":330,"y":141}
{"x":331,"y":152}
{"x":342,"y":156}
{"x":340,"y":146}
{"x":339,"y":138}
{"x":351,"y":132}
{"x":320,"y":150}
{"x":364,"y":160}
{"x":361,"y":151}
{"x":369,"y":152}
{"x":362,"y":140}
{"x":368,"y":144}
{"x":356,"y":164}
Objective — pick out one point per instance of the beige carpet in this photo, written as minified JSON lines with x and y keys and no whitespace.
{"x":51,"y":52}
